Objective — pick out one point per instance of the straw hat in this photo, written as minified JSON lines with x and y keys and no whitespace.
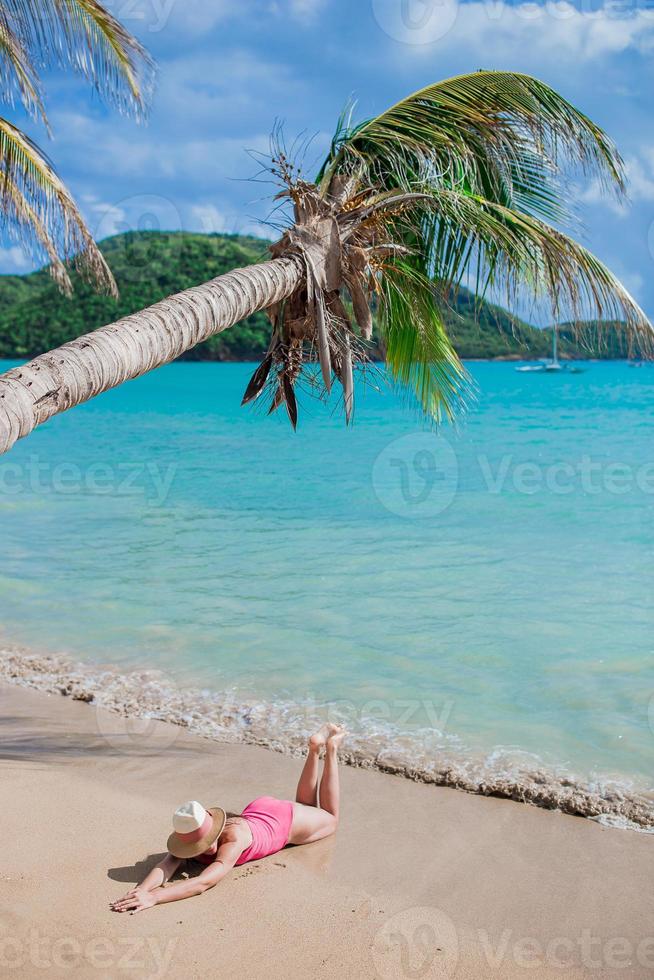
{"x":195,"y":829}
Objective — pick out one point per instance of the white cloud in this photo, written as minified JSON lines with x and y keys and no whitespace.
{"x":303,"y":10}
{"x":226,"y":93}
{"x":306,"y":10}
{"x":197,"y":18}
{"x":143,"y":154}
{"x":136,"y":212}
{"x":187,"y":17}
{"x":526,"y":33}
{"x":106,"y":219}
{"x":640,"y":185}
{"x":594,"y":193}
{"x":209,"y":219}
{"x":640,"y":174}
{"x":13,"y":259}
{"x":633,"y":281}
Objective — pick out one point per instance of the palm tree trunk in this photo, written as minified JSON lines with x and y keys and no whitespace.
{"x":98,"y":361}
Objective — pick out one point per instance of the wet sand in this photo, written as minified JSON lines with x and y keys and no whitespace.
{"x":421,"y":881}
{"x":285,"y":726}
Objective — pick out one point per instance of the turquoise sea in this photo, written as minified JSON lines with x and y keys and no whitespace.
{"x":485,"y":591}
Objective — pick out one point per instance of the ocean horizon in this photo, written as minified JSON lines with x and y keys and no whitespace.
{"x":436,"y":590}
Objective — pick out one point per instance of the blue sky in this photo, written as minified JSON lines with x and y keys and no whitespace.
{"x":228,"y":70}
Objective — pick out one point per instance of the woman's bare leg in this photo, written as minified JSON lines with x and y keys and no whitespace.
{"x":312,"y":822}
{"x":307,"y":787}
{"x":330,"y":790}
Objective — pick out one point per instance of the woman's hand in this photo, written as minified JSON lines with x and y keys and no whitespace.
{"x":143,"y":896}
{"x":129,"y":894}
{"x":136,"y":900}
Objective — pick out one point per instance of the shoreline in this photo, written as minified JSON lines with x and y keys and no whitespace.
{"x":419,"y":880}
{"x":146,"y":696}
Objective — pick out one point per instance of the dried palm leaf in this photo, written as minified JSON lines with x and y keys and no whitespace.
{"x":258,"y":380}
{"x":36,"y":200}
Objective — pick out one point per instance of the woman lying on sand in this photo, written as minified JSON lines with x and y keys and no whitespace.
{"x":266,"y":826}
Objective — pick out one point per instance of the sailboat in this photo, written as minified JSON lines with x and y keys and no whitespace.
{"x":553,"y":365}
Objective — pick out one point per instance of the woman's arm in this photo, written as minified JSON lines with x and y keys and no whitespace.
{"x":227,"y":856}
{"x":160,"y":874}
{"x":156,"y":877}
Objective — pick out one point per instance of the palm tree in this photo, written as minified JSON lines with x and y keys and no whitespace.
{"x":35,"y":35}
{"x":462,"y":177}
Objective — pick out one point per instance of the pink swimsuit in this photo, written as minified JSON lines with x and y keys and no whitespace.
{"x":270,"y":824}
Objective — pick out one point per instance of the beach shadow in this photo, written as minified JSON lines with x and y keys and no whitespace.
{"x":33,"y":746}
{"x":133,"y":873}
{"x":62,"y":728}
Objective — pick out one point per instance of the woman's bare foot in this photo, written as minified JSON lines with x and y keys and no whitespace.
{"x":336,"y":737}
{"x":319,"y":740}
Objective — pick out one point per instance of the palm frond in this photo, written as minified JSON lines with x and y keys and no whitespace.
{"x":463,"y":178}
{"x":469,"y":173}
{"x":417,"y":350}
{"x":522,"y":255}
{"x":18,"y":77}
{"x":503,"y":135}
{"x":84,"y":35}
{"x":32,"y":196}
{"x":27,"y":228}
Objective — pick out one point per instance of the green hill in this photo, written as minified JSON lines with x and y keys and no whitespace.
{"x":148,"y":266}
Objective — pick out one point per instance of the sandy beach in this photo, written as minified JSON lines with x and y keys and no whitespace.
{"x":421,"y":881}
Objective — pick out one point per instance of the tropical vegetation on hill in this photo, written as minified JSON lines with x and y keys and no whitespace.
{"x":150,"y":265}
